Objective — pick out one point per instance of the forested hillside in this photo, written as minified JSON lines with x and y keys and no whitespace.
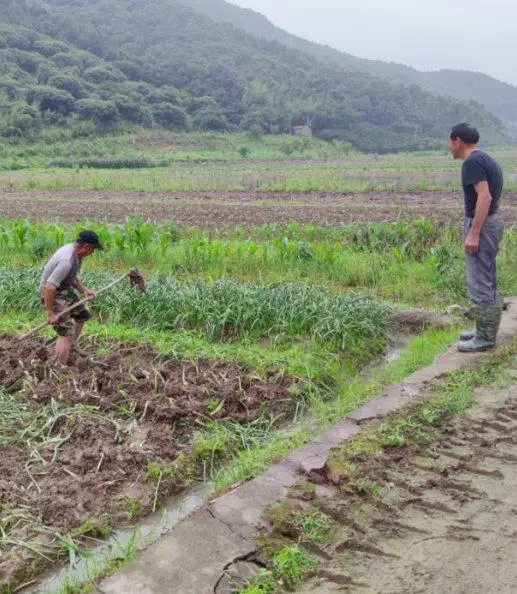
{"x":97,"y":64}
{"x":497,"y":96}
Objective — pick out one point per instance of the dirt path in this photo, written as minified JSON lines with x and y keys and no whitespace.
{"x":446,"y":520}
{"x":246,"y":525}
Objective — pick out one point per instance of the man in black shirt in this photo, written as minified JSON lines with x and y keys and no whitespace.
{"x":482,"y":181}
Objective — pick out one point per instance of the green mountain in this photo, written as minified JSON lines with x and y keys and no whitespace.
{"x":497,"y":96}
{"x":97,"y":64}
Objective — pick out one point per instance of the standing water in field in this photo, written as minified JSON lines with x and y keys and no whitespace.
{"x":121,"y":545}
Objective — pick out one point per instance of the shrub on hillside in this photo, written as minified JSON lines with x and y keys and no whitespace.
{"x":24,"y":117}
{"x":49,"y":47}
{"x":103,"y":73}
{"x":164,"y":95}
{"x":51,"y":99}
{"x":18,"y":39}
{"x":67,"y":82}
{"x":210,"y":119}
{"x":170,"y":116}
{"x":103,"y":112}
{"x":9,"y":87}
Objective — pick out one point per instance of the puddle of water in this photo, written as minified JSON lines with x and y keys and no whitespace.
{"x":94,"y":563}
{"x":396,"y":346}
{"x":398,"y":343}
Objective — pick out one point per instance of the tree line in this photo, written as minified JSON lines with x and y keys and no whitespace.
{"x":99,"y":64}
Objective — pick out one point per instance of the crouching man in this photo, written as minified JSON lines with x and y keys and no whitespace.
{"x":58,"y":287}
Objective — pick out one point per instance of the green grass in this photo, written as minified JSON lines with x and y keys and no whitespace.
{"x":289,"y":565}
{"x":413,"y":263}
{"x":108,"y":564}
{"x":217,"y":180}
{"x":161,"y":147}
{"x":224,"y":309}
{"x":351,"y":391}
{"x":106,"y":166}
{"x":313,"y":525}
{"x":168,"y":162}
{"x":169,"y":147}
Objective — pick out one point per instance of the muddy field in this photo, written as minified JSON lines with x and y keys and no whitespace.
{"x":433,"y":518}
{"x":93,"y":442}
{"x":227,"y":209}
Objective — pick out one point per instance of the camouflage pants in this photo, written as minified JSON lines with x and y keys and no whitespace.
{"x":81,"y":314}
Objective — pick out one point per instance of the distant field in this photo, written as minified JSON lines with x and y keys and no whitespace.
{"x":231,"y":209}
{"x":216,"y":180}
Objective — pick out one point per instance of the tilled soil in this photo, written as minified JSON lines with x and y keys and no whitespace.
{"x":229,"y":209}
{"x":425,"y":519}
{"x":77,"y":444}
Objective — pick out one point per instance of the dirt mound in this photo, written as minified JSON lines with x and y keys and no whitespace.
{"x":91,"y":442}
{"x":155,"y":388}
{"x":417,"y":320}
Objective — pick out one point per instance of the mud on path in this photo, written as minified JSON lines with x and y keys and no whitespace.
{"x":230,"y":209}
{"x":92,"y":443}
{"x":425,"y":519}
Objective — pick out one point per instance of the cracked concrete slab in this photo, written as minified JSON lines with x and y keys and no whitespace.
{"x":192,"y":558}
{"x":313,"y":456}
{"x":189,"y":560}
{"x":237,"y":575}
{"x":394,"y":398}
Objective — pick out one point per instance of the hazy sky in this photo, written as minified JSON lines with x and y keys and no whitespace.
{"x":476,"y":35}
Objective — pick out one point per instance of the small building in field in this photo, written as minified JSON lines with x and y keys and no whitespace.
{"x":302,"y":130}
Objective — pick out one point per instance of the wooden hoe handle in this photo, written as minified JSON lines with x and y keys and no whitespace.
{"x":72,"y":307}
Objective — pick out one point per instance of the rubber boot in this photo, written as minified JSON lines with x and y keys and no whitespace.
{"x":487,"y":325}
{"x":468,"y":335}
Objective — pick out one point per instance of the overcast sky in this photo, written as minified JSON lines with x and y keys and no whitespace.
{"x":476,"y":35}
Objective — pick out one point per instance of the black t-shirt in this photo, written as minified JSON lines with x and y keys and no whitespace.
{"x":478,"y":167}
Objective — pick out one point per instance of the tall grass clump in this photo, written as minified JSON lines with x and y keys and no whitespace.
{"x":223,"y":309}
{"x":105,"y":163}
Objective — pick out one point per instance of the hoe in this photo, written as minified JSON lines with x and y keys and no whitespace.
{"x":137,"y":282}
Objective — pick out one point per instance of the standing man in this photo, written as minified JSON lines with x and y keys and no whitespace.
{"x":57,"y":292}
{"x":482,"y":181}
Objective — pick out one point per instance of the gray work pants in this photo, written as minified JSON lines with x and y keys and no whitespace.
{"x":481,"y":267}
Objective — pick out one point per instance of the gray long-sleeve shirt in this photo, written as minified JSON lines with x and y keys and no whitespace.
{"x":62,"y":269}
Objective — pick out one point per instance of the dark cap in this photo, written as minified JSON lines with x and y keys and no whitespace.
{"x":466,"y":132}
{"x":90,"y":238}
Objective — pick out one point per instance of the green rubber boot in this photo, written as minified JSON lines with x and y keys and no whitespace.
{"x":468,"y":335}
{"x":488,"y":320}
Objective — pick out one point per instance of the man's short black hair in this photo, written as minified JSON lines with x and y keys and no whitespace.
{"x":89,"y":238}
{"x":466,"y":132}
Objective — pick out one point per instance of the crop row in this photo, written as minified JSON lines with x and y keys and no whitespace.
{"x":222,"y":309}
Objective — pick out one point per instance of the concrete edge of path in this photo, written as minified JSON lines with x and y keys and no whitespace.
{"x":193,"y":557}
